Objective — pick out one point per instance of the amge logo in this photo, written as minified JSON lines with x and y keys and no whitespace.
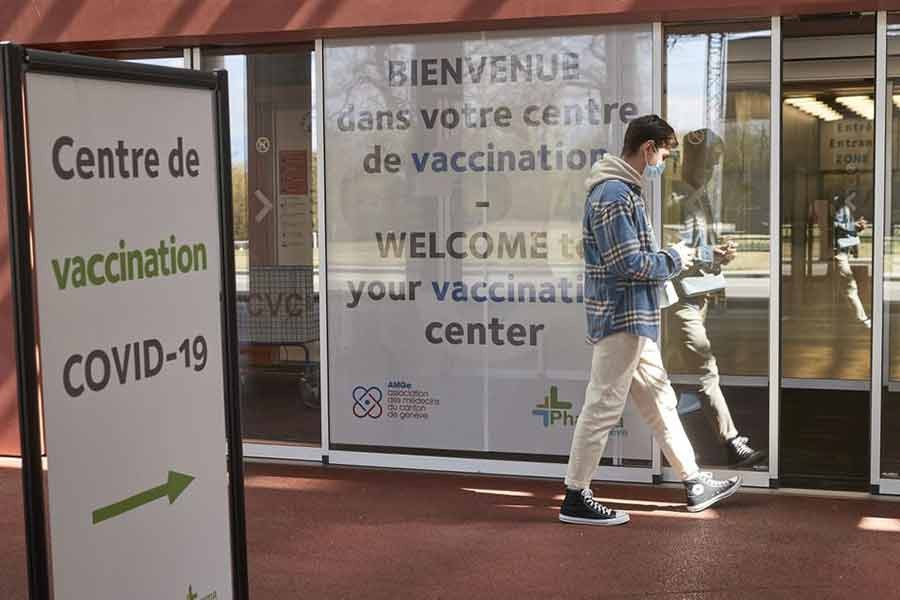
{"x":367,"y":402}
{"x":554,"y":411}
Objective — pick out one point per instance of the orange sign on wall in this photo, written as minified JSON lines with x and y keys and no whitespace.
{"x":293,"y":173}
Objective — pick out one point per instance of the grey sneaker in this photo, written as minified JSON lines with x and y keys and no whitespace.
{"x":579,"y":507}
{"x":703,"y":491}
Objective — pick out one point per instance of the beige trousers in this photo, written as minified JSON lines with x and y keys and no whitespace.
{"x":848,"y":285}
{"x":624,"y":364}
{"x":697,"y":357}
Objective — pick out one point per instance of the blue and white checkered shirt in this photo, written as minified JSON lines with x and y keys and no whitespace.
{"x":624,"y":267}
{"x":844,"y":227}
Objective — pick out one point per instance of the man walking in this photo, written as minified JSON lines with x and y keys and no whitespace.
{"x":846,"y":244}
{"x":702,"y":151}
{"x":624,"y":274}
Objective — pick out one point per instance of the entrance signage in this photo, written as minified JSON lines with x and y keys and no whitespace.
{"x":124,"y":280}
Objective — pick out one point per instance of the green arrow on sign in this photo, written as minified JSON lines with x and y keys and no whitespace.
{"x":172,"y":488}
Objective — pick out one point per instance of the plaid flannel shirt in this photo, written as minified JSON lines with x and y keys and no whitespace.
{"x":844,"y":226}
{"x":698,"y":231}
{"x":624,"y":267}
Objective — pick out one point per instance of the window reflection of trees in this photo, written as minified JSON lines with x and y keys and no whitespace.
{"x":737,"y":326}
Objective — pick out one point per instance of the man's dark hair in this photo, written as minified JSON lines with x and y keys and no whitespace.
{"x":648,"y":127}
{"x":702,"y":145}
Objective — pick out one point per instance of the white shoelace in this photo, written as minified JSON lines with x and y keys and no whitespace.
{"x":588,"y":497}
{"x":707,"y":478}
{"x":740,"y":446}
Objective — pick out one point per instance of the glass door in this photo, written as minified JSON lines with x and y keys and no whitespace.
{"x":273,"y":166}
{"x":717,"y":196}
{"x":890,"y":400}
{"x":827,"y":212}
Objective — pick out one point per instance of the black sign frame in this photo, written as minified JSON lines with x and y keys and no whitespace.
{"x":15,"y":61}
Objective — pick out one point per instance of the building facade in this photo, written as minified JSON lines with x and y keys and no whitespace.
{"x":409,"y":181}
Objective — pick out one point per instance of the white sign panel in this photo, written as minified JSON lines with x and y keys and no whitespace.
{"x":125,"y":206}
{"x":455,"y":174}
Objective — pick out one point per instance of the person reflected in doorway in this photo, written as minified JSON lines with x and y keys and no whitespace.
{"x":703,"y":284}
{"x":846,"y":245}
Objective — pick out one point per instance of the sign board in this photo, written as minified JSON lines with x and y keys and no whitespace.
{"x":456,"y":175}
{"x":847,"y":145}
{"x":133,"y":291}
{"x":294,"y":203}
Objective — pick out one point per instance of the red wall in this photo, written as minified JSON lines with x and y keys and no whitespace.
{"x":9,"y":417}
{"x":135,"y":23}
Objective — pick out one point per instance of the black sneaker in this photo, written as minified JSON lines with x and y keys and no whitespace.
{"x":580,"y":507}
{"x":703,"y":491}
{"x":740,"y":454}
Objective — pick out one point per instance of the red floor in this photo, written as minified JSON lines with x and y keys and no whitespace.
{"x":331,"y":532}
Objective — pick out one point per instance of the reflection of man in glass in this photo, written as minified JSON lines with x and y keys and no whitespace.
{"x":846,"y":244}
{"x":702,"y":151}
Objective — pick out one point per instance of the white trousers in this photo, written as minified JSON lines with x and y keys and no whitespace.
{"x":848,"y":285}
{"x":623,"y":365}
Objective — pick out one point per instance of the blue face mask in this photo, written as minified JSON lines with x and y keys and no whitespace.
{"x":655,"y":171}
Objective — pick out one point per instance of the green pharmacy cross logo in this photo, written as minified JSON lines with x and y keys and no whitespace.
{"x":553,"y":410}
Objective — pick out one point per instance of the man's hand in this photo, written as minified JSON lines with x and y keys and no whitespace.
{"x":725,"y":253}
{"x":686,"y":254}
{"x":861,"y":224}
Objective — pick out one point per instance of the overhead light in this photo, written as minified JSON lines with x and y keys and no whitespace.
{"x":814,"y":107}
{"x":861,"y":105}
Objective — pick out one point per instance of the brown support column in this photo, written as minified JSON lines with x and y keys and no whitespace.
{"x":261,"y":161}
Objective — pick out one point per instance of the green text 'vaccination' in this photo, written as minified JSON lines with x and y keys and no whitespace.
{"x":122,"y":264}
